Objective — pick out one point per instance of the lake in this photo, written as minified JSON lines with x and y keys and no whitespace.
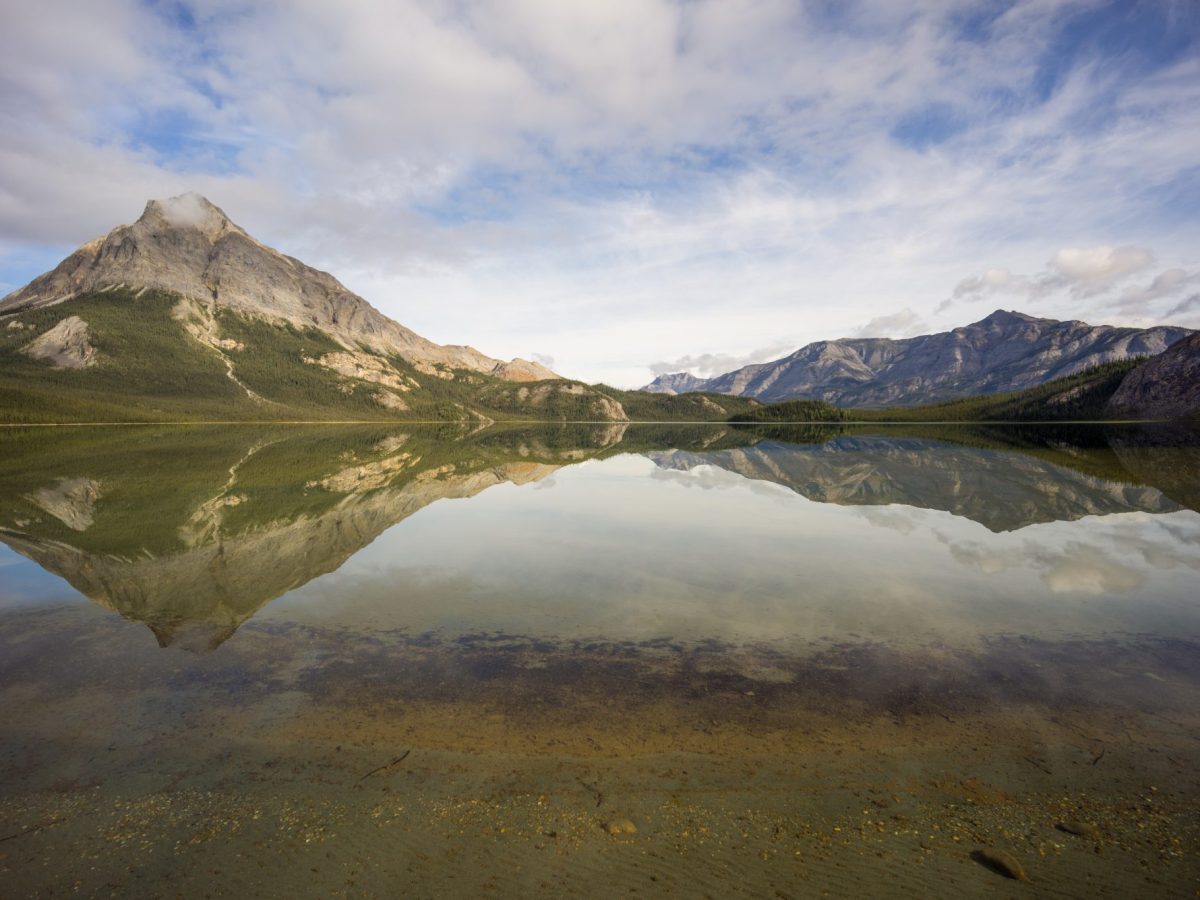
{"x":599,"y":660}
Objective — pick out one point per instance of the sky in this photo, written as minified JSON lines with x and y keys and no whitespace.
{"x":631,"y":187}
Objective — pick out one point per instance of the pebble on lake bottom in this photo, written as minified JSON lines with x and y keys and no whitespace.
{"x":1081,"y":829}
{"x":620,"y":826}
{"x":1001,"y":862}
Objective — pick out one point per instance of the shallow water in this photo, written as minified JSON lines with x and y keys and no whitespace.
{"x":364,"y":661}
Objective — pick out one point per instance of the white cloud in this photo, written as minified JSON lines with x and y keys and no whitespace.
{"x":1098,"y":275}
{"x":902,"y":324}
{"x":991,"y":282}
{"x":707,"y":365}
{"x":1117,"y":562}
{"x":1084,"y":569}
{"x":1186,"y":307}
{"x":985,"y":559}
{"x":184,"y":210}
{"x":1088,"y":270}
{"x":900,"y":520}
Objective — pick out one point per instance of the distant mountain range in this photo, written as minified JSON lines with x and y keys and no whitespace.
{"x":1007,"y":351}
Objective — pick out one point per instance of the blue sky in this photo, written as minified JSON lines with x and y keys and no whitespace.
{"x":639,"y":185}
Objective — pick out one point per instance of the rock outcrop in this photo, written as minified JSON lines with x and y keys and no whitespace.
{"x":188,"y":246}
{"x":1165,"y":387}
{"x":676,"y":383}
{"x":1007,"y":351}
{"x":65,"y":346}
{"x":522,"y":370}
{"x":72,"y":501}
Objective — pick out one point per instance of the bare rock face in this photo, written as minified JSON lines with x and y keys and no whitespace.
{"x":65,"y":346}
{"x":599,"y":406}
{"x":675,"y":383}
{"x":188,"y":246}
{"x":1165,"y":387}
{"x":72,"y":501}
{"x":522,"y":370}
{"x":1007,"y":351}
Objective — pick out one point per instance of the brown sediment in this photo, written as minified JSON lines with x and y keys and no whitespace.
{"x":744,"y":770}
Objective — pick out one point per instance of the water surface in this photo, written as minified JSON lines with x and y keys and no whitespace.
{"x":365,"y":661}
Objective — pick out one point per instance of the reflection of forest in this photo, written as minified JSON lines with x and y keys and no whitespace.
{"x":191,"y":530}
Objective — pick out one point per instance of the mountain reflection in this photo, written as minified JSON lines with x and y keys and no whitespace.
{"x":190,"y":531}
{"x":1000,"y":489}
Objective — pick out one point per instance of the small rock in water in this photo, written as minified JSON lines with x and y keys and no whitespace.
{"x":620,"y":826}
{"x":1082,"y":829}
{"x":1001,"y":862}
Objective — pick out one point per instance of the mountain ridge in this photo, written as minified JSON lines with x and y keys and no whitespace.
{"x":1005,"y":351}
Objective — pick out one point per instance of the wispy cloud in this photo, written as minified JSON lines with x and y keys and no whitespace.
{"x":706,"y":365}
{"x":1189,"y":307}
{"x":1099,"y":275}
{"x":904,"y":323}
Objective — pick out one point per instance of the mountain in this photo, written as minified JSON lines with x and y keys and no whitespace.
{"x":1007,"y":351}
{"x":183,"y":316}
{"x":237,"y":517}
{"x":1001,"y":490}
{"x":187,"y":246}
{"x":1167,"y":386}
{"x":676,"y":383}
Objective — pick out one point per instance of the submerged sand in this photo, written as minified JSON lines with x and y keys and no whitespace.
{"x":324,"y":762}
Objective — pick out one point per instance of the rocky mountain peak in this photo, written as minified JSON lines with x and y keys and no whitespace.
{"x":188,"y":246}
{"x":188,"y":211}
{"x":1008,"y":317}
{"x":1006,"y":351}
{"x":674,"y":383}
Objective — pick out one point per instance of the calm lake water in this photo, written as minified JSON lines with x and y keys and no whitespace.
{"x":599,"y":660}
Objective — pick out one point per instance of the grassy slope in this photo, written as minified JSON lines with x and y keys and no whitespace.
{"x":150,"y":370}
